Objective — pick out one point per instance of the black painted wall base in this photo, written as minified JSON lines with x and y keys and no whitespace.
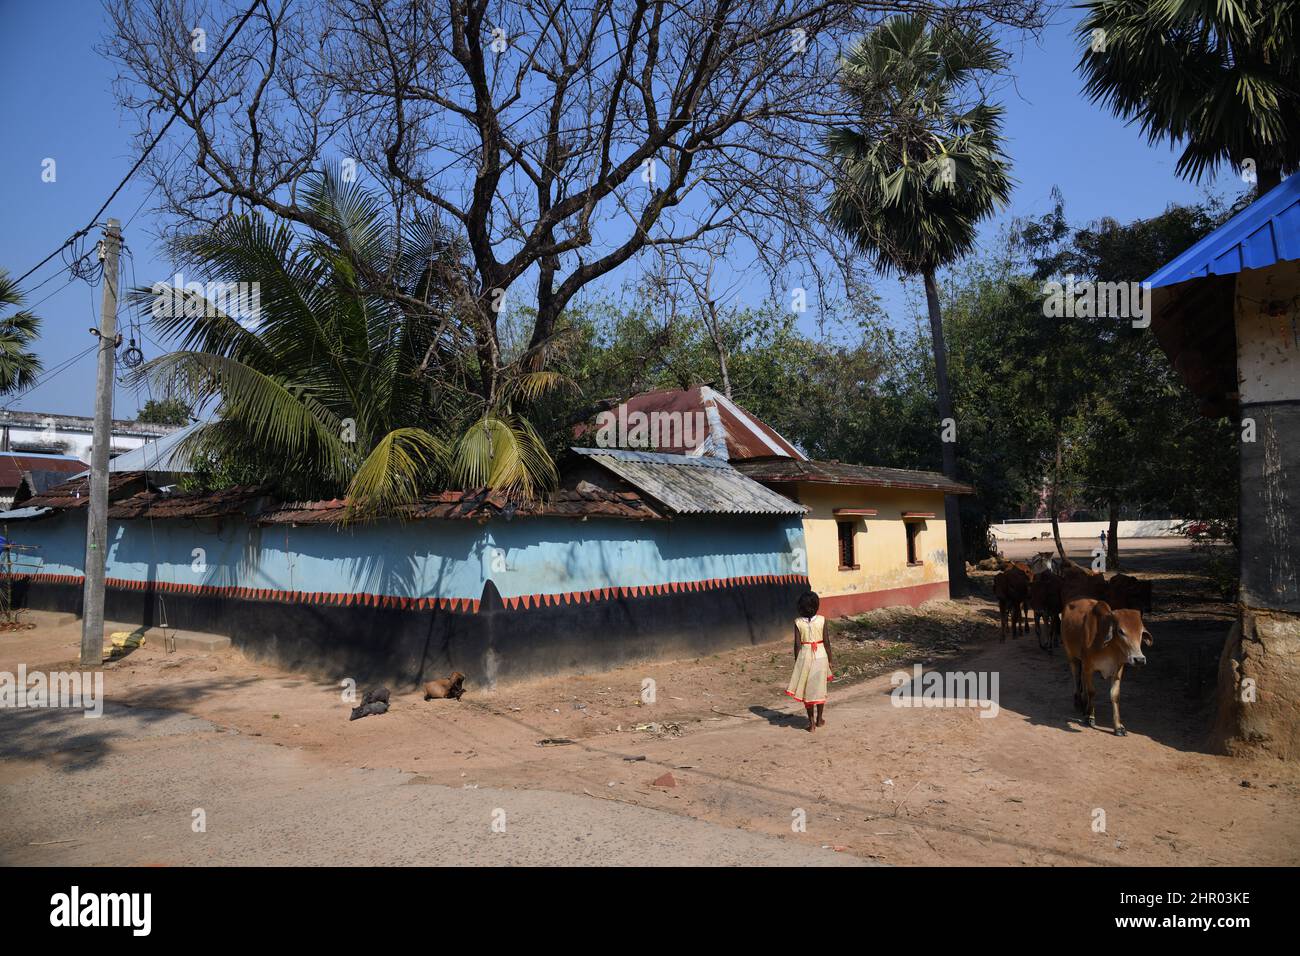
{"x":404,"y":648}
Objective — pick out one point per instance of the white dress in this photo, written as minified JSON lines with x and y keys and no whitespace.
{"x":811,"y":668}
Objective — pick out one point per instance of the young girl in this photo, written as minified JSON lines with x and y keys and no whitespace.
{"x":812,"y":664}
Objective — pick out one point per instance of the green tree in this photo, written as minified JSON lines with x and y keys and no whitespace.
{"x":332,"y":387}
{"x":19,"y":366}
{"x":1133,"y":421}
{"x":164,"y":411}
{"x":920,"y":170}
{"x":1222,"y":78}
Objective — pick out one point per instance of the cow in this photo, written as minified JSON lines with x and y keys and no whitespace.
{"x":1012,"y":590}
{"x":1045,"y":561}
{"x":1126,"y":591}
{"x":1077,"y":582}
{"x":1100,"y":640}
{"x":1045,"y":602}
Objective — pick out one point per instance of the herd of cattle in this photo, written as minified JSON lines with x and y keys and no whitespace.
{"x":1098,"y":621}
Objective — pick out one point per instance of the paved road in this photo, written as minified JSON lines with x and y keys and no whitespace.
{"x":124,"y":789}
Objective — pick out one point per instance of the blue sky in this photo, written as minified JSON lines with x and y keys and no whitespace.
{"x":58,"y":104}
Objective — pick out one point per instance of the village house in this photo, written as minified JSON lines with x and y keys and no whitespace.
{"x":875,"y":537}
{"x":638,"y":554}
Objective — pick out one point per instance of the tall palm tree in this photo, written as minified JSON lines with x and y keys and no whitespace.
{"x":1221,"y":77}
{"x":18,"y":330}
{"x":916,"y":172}
{"x":331,"y":388}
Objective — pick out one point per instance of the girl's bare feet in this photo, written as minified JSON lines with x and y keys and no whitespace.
{"x":821,"y":722}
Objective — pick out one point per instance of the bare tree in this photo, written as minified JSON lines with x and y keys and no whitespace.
{"x":557,"y":139}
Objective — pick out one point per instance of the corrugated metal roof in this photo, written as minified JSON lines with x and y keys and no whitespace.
{"x":1265,"y":232}
{"x":692,"y":485}
{"x":717,"y":426}
{"x":160,"y":455}
{"x":778,"y":470}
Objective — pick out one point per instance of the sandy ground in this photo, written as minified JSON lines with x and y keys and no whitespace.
{"x":569,"y":765}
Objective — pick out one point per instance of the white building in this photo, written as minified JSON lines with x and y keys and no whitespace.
{"x":48,"y":434}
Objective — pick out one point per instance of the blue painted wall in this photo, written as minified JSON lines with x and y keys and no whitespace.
{"x":432,"y":558}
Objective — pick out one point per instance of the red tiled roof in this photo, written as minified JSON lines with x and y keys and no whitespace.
{"x":73,"y":494}
{"x":131,"y":497}
{"x":785,"y":471}
{"x":587,"y":502}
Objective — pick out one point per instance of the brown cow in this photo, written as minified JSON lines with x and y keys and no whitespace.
{"x":1012,"y":589}
{"x":1077,"y":582}
{"x":1126,"y":591}
{"x":1045,"y":602}
{"x":1099,"y":640}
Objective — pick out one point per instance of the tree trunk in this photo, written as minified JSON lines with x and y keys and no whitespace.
{"x":1266,"y":177}
{"x":951,"y":509}
{"x":1053,"y":504}
{"x":715,"y":333}
{"x":1112,"y":539}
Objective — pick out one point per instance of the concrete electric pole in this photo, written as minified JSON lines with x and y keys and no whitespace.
{"x":92,"y":613}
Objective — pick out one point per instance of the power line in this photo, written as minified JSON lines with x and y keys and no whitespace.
{"x":50,"y":374}
{"x":156,"y":140}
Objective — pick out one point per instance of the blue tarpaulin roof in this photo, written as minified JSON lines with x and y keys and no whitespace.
{"x":1265,"y":232}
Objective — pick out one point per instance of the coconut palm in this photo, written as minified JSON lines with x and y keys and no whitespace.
{"x":18,"y":366}
{"x":331,"y":388}
{"x":1222,"y":78}
{"x":919,"y":168}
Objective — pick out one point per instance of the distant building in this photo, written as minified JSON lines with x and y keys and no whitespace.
{"x":22,"y":476}
{"x":72,"y":435}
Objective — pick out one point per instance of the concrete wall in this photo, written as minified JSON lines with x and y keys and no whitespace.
{"x":883,"y":577}
{"x":1259,"y":676}
{"x":1026,"y":530}
{"x":405,"y":601}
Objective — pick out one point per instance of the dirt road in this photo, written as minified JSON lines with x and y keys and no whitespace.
{"x":283,"y":776}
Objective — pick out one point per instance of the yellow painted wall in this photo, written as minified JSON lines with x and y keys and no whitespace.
{"x":880,"y":542}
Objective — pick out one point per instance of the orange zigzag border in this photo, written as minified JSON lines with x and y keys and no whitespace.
{"x":470,"y":605}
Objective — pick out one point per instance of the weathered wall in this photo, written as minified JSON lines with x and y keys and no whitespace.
{"x":883,"y":577}
{"x":403,"y":602}
{"x":1259,"y":686}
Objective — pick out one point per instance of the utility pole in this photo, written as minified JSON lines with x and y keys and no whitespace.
{"x":92,"y":612}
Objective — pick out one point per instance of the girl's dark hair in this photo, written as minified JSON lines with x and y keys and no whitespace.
{"x":808,"y":604}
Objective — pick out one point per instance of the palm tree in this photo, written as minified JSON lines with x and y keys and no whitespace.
{"x":917,"y":172}
{"x":18,"y":366}
{"x":332,"y":387}
{"x":1222,"y":77}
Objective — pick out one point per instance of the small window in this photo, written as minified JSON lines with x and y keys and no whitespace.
{"x":847,"y":556}
{"x":913,"y":534}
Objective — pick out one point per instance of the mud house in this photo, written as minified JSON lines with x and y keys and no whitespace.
{"x":1227,"y":312}
{"x":638,"y":556}
{"x":875,"y":537}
